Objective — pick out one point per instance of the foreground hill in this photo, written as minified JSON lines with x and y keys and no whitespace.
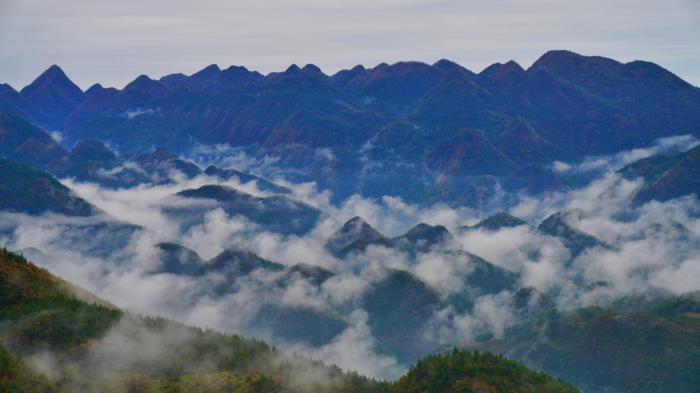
{"x":91,"y":346}
{"x":461,"y":371}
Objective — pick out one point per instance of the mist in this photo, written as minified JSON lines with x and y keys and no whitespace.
{"x":115,"y":255}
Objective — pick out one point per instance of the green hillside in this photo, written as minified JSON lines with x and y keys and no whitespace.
{"x":95,"y":348}
{"x":464,"y":372}
{"x":56,"y":338}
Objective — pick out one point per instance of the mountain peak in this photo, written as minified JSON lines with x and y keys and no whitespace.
{"x":211,"y":68}
{"x":498,"y":221}
{"x":54,"y":92}
{"x":205,"y":74}
{"x":293,"y":69}
{"x":569,"y":62}
{"x":147,"y":85}
{"x":446,"y":65}
{"x":503,"y":75}
{"x":423,"y":236}
{"x":90,"y":151}
{"x":355,"y":235}
{"x":312,"y":68}
{"x":5,"y":87}
{"x":54,"y":72}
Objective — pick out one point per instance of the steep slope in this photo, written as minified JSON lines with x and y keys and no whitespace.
{"x":55,"y":94}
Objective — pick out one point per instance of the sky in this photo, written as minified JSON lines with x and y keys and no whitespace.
{"x":112,"y":42}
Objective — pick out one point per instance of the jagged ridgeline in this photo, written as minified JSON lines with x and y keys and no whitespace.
{"x":57,"y":338}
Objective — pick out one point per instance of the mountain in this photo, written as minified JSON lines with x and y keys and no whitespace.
{"x":93,"y":346}
{"x":463,"y":371}
{"x":423,"y":237}
{"x":497,"y":222}
{"x":441,"y":125}
{"x":399,"y":305}
{"x":27,"y":190}
{"x":276,"y":213}
{"x":236,"y":262}
{"x":575,"y":240}
{"x":666,"y":177}
{"x":177,"y":259}
{"x":604,"y":349}
{"x":11,"y":101}
{"x":21,"y":141}
{"x":55,"y":94}
{"x":355,"y":236}
{"x":469,"y":153}
{"x":262,"y":184}
{"x":40,"y":314}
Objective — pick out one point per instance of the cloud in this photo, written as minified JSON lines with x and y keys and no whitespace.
{"x":653,"y":246}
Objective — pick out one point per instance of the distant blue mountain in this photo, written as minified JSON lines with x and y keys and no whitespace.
{"x":411,"y":129}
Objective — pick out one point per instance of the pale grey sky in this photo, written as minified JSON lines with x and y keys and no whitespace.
{"x":112,"y":42}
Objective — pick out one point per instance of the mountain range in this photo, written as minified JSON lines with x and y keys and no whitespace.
{"x":445,"y":129}
{"x":253,"y":236}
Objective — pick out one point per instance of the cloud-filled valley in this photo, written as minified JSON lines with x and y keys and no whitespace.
{"x":232,"y":273}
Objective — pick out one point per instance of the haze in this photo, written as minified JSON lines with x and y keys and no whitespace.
{"x":113,"y":42}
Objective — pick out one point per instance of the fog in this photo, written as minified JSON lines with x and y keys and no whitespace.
{"x":114,"y":255}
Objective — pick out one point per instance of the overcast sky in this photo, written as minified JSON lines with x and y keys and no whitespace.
{"x":114,"y":41}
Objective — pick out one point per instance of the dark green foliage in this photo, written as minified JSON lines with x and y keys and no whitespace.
{"x":27,"y":190}
{"x":465,"y":372}
{"x":16,"y":377}
{"x":21,"y":281}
